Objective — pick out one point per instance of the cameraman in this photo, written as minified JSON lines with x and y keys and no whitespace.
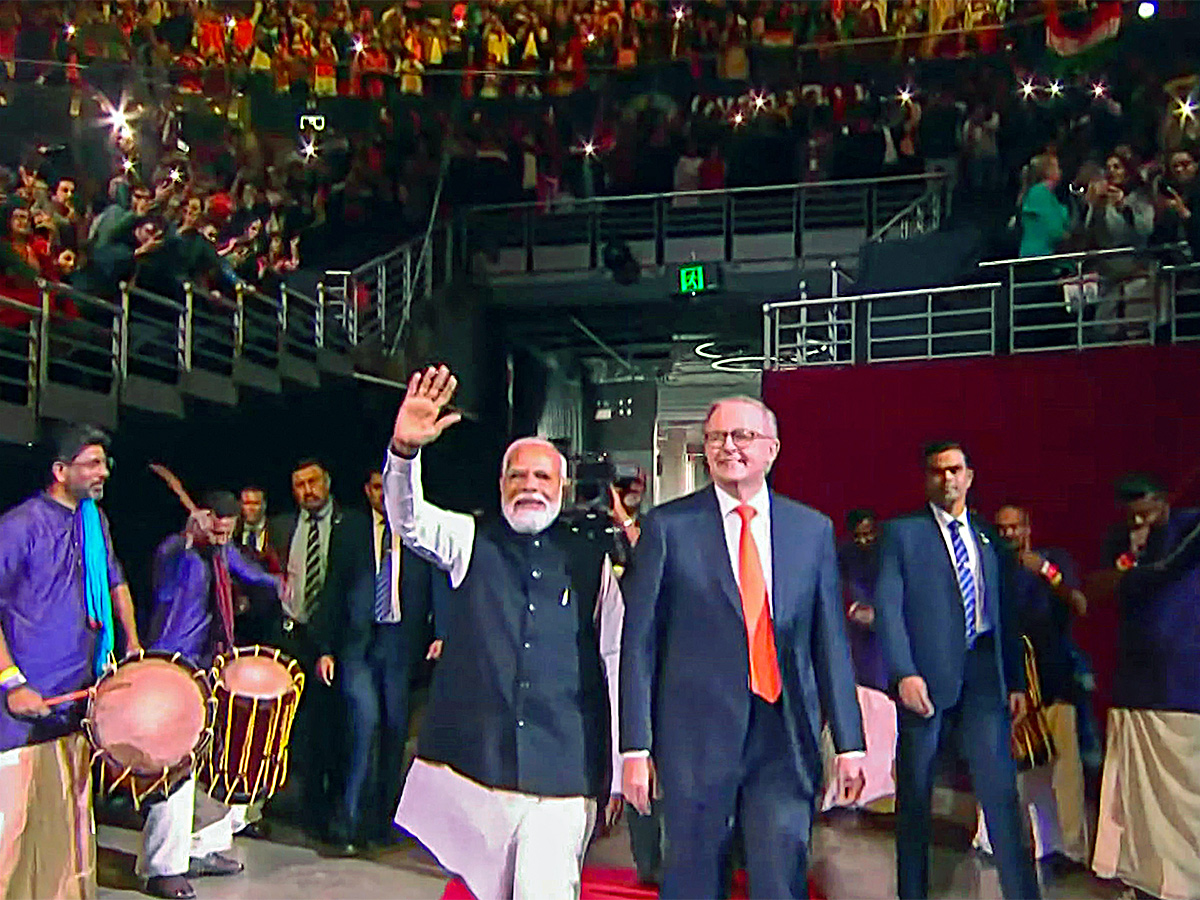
{"x":626,"y":491}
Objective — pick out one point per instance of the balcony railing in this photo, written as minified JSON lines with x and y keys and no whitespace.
{"x":71,"y":343}
{"x":373,"y":303}
{"x":756,"y":224}
{"x":1063,"y":302}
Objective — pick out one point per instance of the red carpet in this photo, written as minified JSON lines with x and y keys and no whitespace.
{"x":616,"y":884}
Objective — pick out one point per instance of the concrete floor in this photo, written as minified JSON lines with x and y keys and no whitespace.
{"x":853,"y":859}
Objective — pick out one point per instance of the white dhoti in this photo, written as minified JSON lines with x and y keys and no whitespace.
{"x":879,"y":727}
{"x":1149,"y":829}
{"x":186,"y":825}
{"x":504,"y":845}
{"x":1053,"y":794}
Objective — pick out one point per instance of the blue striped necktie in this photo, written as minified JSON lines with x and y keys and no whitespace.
{"x":383,"y":579}
{"x":966,"y":578}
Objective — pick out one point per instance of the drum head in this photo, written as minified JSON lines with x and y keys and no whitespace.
{"x":148,"y":715}
{"x":259,"y":677}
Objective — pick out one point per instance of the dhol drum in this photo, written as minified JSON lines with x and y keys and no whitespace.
{"x":149,"y":721}
{"x":257,"y":690}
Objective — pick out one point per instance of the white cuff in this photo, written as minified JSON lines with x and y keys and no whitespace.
{"x":635,"y":754}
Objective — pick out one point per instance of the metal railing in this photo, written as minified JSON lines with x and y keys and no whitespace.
{"x":1069,"y":301}
{"x":58,"y":335}
{"x":373,"y":302}
{"x":755,"y":224}
{"x":20,"y":357}
{"x":893,"y":326}
{"x":1094,"y":298}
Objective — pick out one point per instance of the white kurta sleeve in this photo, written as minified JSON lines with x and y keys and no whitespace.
{"x":610,"y":608}
{"x":443,"y":537}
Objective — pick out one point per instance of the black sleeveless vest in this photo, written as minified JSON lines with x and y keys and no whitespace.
{"x":519,"y":698}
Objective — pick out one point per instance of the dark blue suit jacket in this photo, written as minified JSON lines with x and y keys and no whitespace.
{"x":345,"y":613}
{"x":684,"y":660}
{"x":919,"y":613}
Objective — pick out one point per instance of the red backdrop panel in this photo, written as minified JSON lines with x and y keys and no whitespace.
{"x":1051,"y":431}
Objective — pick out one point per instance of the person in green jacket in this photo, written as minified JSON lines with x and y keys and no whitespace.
{"x":1045,"y":220}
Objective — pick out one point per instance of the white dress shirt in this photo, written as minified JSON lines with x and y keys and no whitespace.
{"x":973,"y":558}
{"x":760,"y":531}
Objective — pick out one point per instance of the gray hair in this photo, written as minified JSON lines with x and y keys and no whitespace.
{"x":768,"y":414}
{"x":532,"y":442}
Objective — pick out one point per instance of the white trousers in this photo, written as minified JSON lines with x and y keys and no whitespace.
{"x":504,"y":845}
{"x":168,"y":838}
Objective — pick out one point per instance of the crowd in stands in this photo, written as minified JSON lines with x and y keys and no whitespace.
{"x":590,"y":98}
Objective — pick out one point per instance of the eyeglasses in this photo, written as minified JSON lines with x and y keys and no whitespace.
{"x":742,"y":438}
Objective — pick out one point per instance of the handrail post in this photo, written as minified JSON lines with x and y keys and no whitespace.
{"x":660,"y":230}
{"x":115,"y":349}
{"x":186,"y":332}
{"x":727,"y":224}
{"x":124,"y":331}
{"x":283,"y":317}
{"x":43,"y":359}
{"x":319,"y":318}
{"x":1081,"y":306}
{"x":351,"y":309}
{"x":239,"y":321}
{"x":799,"y":213}
{"x":1172,"y":304}
{"x":833,"y":279}
{"x":381,"y":293}
{"x":768,"y":350}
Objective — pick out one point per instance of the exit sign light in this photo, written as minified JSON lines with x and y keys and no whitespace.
{"x":691,"y":279}
{"x":698,"y":278}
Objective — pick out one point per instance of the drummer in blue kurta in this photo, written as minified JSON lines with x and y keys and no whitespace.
{"x":188,"y":834}
{"x":60,"y":590}
{"x":1149,"y":823}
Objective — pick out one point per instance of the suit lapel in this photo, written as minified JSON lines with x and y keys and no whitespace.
{"x":713,"y":536}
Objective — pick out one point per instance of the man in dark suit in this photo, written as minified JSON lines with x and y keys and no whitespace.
{"x":303,"y":539}
{"x":373,"y":620}
{"x":732,"y":647}
{"x":944,"y":613}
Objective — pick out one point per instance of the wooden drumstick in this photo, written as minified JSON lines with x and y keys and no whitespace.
{"x":175,"y":485}
{"x":81,"y":694}
{"x":69,"y":698}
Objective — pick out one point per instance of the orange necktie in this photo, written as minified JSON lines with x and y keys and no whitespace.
{"x":760,"y":635}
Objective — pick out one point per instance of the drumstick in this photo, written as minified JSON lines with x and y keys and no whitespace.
{"x":69,"y":698}
{"x":175,"y":485}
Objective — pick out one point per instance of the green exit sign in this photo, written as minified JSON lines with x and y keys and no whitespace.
{"x":691,"y":279}
{"x":698,"y":278}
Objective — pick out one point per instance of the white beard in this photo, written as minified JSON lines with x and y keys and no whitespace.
{"x":531,"y":521}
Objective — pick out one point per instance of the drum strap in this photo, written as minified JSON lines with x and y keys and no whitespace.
{"x":224,"y":591}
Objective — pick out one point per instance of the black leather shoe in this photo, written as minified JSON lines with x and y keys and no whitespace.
{"x":213,"y":864}
{"x":170,"y":887}
{"x":259,"y":830}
